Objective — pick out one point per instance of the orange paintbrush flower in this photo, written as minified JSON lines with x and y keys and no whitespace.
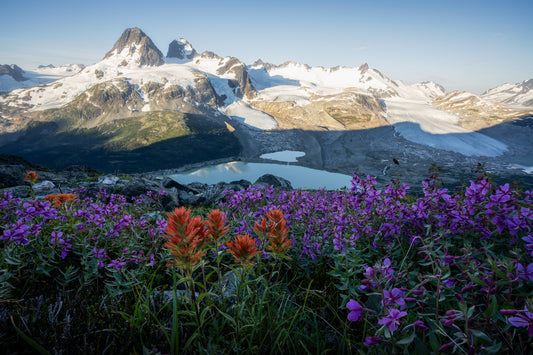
{"x":31,"y":176}
{"x":243,"y":249}
{"x":186,"y":238}
{"x":278,"y":242}
{"x":216,"y":225}
{"x":59,"y":199}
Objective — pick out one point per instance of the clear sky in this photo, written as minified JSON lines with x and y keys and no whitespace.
{"x":467,"y":44}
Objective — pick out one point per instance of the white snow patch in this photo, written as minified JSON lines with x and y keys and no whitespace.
{"x":288,"y":156}
{"x":422,"y":123}
{"x":286,"y":93}
{"x":250,"y":116}
{"x":527,"y":169}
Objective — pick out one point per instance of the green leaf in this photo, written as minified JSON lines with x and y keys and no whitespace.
{"x":479,"y":334}
{"x":494,"y":349}
{"x":408,"y":340}
{"x":29,"y":340}
{"x":470,"y":312}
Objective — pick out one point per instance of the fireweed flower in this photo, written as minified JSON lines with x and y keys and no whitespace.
{"x":394,"y":297}
{"x":243,"y":249}
{"x":392,"y":320}
{"x":523,"y":319}
{"x":371,"y":340}
{"x":356,"y":311}
{"x":525,"y":273}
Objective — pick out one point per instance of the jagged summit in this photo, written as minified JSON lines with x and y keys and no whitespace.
{"x":519,"y":94}
{"x":135,"y":44}
{"x":13,"y":71}
{"x":180,"y":48}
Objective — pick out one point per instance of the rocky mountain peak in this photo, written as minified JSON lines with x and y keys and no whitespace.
{"x":135,"y":44}
{"x":363,"y":68}
{"x":13,"y":71}
{"x":180,"y":48}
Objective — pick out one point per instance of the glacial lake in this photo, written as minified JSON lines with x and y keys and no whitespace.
{"x":299,"y":176}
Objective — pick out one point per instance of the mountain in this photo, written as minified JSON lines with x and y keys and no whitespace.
{"x":475,"y":112}
{"x":139,"y":110}
{"x":135,"y":47}
{"x":181,"y":49}
{"x":15,"y":72}
{"x":520,"y":94}
{"x":13,"y":77}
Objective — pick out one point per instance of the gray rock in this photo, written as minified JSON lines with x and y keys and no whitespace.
{"x":13,"y":71}
{"x":149,"y":54}
{"x":11,"y":175}
{"x":43,"y":187}
{"x":181,"y":49}
{"x":272,"y":180}
{"x":108,"y":180}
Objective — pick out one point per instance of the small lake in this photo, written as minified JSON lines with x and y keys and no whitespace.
{"x":299,"y":176}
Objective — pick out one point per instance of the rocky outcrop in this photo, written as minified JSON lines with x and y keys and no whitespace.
{"x":13,"y":71}
{"x":169,"y":193}
{"x":180,"y":49}
{"x":241,"y":85}
{"x":136,"y":41}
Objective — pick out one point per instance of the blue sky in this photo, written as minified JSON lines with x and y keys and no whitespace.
{"x":467,"y":45}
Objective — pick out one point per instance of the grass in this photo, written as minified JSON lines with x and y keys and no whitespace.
{"x":360,"y":271}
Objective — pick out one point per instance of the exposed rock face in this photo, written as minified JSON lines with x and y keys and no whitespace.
{"x":13,"y":71}
{"x":475,"y":112}
{"x":136,"y":41}
{"x":242,"y":84}
{"x":181,"y":49}
{"x":348,"y":110}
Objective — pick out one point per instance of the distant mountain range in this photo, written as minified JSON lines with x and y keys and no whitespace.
{"x":138,"y":105}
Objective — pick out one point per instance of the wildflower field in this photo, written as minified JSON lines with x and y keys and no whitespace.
{"x":359,"y":270}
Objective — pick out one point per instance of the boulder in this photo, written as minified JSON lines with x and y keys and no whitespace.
{"x":272,"y":180}
{"x":43,"y":187}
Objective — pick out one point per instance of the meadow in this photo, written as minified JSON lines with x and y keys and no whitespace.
{"x":361,"y":270}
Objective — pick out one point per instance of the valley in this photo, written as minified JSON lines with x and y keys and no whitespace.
{"x":137,"y":110}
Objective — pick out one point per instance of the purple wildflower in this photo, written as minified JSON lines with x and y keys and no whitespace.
{"x":525,"y":273}
{"x":392,"y":320}
{"x":356,"y":311}
{"x":117,"y":264}
{"x":371,"y":340}
{"x":394,"y":297}
{"x":523,"y":319}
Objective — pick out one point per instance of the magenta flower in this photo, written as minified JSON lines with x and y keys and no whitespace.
{"x":356,"y":311}
{"x":525,"y":273}
{"x":370,"y":340}
{"x":392,"y":320}
{"x":523,"y":320}
{"x":390,"y":298}
{"x":420,"y":325}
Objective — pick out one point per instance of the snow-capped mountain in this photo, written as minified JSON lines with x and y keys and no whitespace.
{"x":134,"y":47}
{"x":475,"y":112}
{"x":519,"y":94}
{"x":136,"y":97}
{"x":13,"y":77}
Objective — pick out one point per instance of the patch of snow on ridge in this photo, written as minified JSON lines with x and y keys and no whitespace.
{"x":288,"y":156}
{"x":250,"y":116}
{"x":422,"y":123}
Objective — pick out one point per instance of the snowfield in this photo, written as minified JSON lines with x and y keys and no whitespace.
{"x":422,"y":123}
{"x":287,"y":156}
{"x":250,"y":116}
